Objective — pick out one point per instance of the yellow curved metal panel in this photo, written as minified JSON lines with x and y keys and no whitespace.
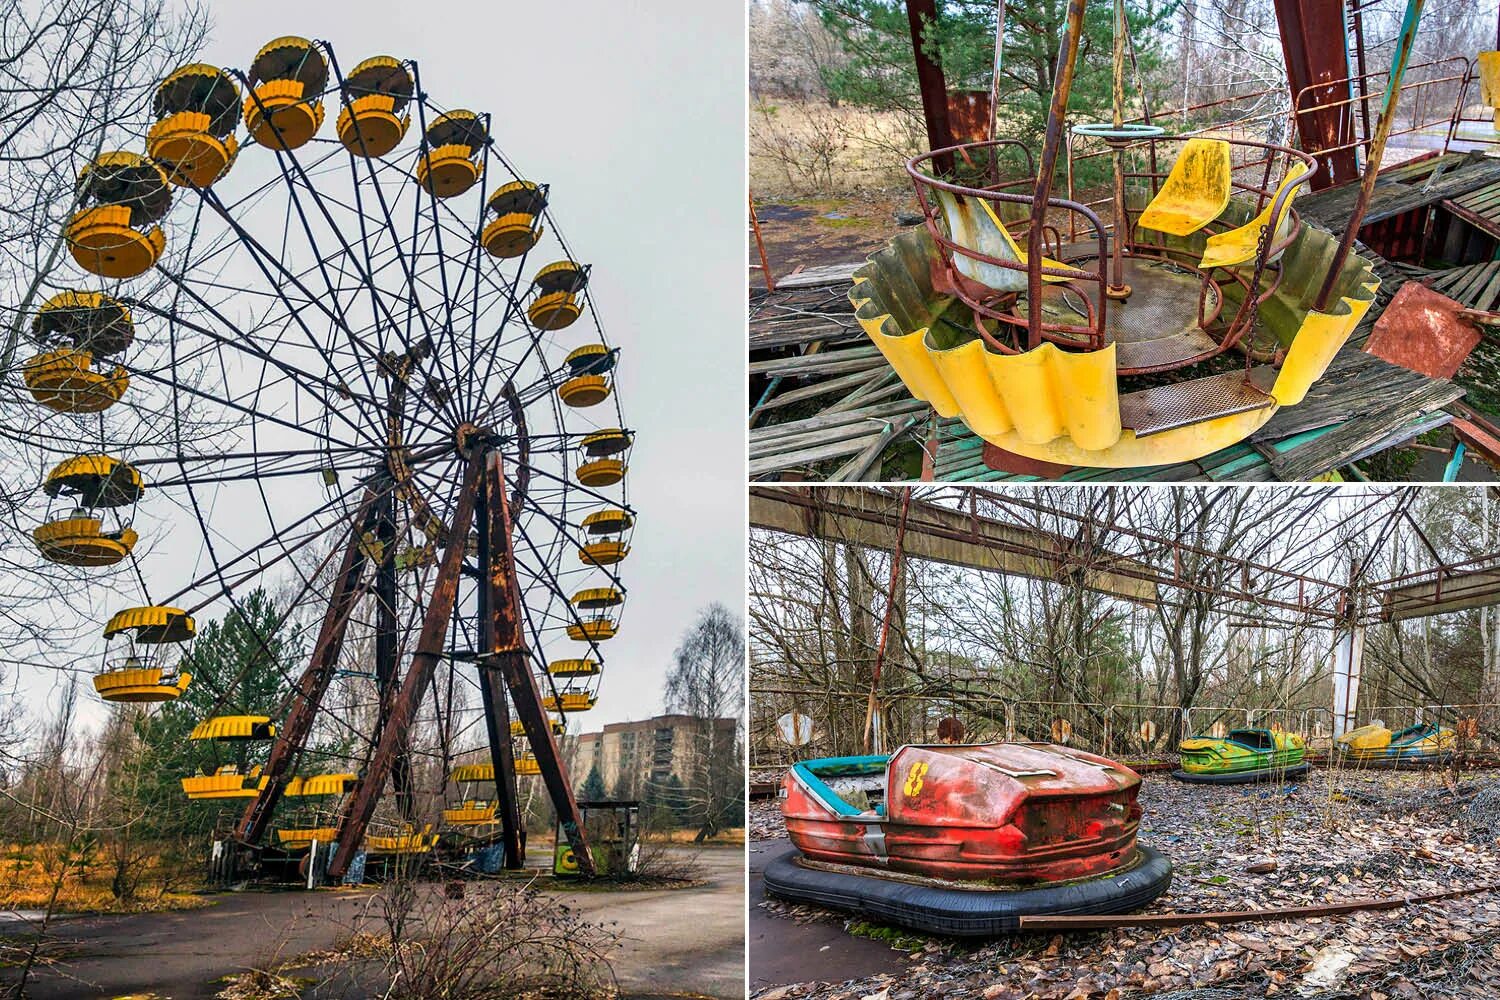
{"x":598,"y":597}
{"x":320,"y":784}
{"x":607,"y":522}
{"x":592,"y":630}
{"x":120,"y":483}
{"x":80,"y":541}
{"x":573,"y":668}
{"x":139,"y":684}
{"x":1318,"y":339}
{"x":64,"y":380}
{"x":1181,"y":444}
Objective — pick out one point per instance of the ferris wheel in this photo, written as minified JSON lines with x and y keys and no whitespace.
{"x":361,"y":359}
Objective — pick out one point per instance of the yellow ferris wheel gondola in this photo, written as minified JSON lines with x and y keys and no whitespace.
{"x":599,"y":627}
{"x":556,"y":289}
{"x":318,"y":785}
{"x":76,"y":331}
{"x":611,"y":521}
{"x":115,"y":234}
{"x":226,"y":782}
{"x":94,"y":483}
{"x":196,"y":109}
{"x":600,"y":467}
{"x":234,"y":729}
{"x":527,"y":765}
{"x":603,"y":553}
{"x":374,"y":119}
{"x":300,"y":839}
{"x":573,"y":668}
{"x":451,"y":162}
{"x":569,"y":701}
{"x":143,"y":676}
{"x":470,"y":812}
{"x":287,"y":79}
{"x":517,"y":225}
{"x":408,"y":841}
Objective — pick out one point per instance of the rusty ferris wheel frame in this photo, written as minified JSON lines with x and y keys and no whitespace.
{"x":389,"y":343}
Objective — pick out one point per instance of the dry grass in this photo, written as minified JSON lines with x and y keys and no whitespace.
{"x":799,"y":149}
{"x":731,"y":837}
{"x":29,"y":872}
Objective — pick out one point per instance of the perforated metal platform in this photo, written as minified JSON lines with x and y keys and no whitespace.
{"x":1151,"y":411}
{"x":1156,"y":328}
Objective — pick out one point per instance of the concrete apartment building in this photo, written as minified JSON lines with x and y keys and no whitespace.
{"x":631,"y":755}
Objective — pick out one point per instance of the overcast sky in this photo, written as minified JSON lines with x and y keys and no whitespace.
{"x":633,"y":114}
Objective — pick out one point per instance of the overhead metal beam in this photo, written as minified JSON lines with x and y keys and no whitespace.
{"x":864,"y":516}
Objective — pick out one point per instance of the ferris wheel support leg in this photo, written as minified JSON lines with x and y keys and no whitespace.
{"x":492,"y":690}
{"x":314,"y":681}
{"x":360,"y":805}
{"x":505,"y":652}
{"x":386,"y":654}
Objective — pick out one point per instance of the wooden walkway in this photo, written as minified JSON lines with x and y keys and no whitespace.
{"x":1401,"y":189}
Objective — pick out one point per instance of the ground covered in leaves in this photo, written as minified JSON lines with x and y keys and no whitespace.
{"x":1336,"y":836}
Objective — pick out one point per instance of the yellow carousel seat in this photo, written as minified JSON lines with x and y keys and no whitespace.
{"x":1196,"y":189}
{"x":982,"y":231}
{"x":1239,"y":244}
{"x":140,"y":684}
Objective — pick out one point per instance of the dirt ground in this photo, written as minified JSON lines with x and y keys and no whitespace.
{"x":1333,"y":837}
{"x":675,"y":942}
{"x":816,"y":231}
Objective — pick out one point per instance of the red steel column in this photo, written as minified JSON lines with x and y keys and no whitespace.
{"x":313,"y":683}
{"x":360,"y":805}
{"x":1313,"y":45}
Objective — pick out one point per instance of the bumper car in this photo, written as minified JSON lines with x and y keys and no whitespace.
{"x":1245,"y":755}
{"x":1374,"y":745}
{"x":965,"y":840}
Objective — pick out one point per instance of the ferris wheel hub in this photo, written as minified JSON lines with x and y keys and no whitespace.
{"x":467,"y":434}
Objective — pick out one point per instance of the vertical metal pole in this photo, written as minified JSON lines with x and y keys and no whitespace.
{"x":313,"y":683}
{"x":360,"y":805}
{"x":386,"y":649}
{"x":989,"y":128}
{"x":872,"y":707}
{"x":1067,"y":58}
{"x":1117,"y":288}
{"x":1359,"y":63}
{"x":1404,"y":43}
{"x":505,"y":652}
{"x":930,"y":81}
{"x":492,"y":691}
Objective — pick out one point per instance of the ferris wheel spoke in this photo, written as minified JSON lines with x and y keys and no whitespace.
{"x":243,"y":342}
{"x":323,"y":210}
